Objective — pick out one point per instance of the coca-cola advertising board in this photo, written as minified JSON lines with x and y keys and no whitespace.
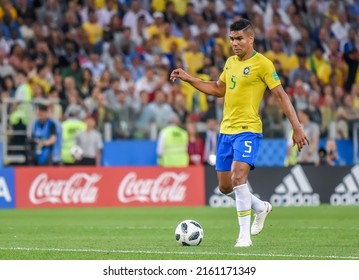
{"x":108,"y":187}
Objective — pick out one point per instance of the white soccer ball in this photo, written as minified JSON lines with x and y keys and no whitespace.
{"x":76,"y":152}
{"x":189,"y":233}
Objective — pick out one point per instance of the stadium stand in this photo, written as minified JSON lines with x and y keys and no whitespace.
{"x":111,"y":59}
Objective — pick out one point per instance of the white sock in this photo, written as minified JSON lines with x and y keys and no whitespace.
{"x":231,"y":195}
{"x":257,"y":205}
{"x":243,"y":205}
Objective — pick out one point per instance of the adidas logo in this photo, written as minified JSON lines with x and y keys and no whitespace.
{"x":295,"y":190}
{"x":347,"y":192}
{"x":218,"y":199}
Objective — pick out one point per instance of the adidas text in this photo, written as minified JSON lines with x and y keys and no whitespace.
{"x":295,"y":190}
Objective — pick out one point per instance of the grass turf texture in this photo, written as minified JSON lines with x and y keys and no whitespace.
{"x":316,"y":233}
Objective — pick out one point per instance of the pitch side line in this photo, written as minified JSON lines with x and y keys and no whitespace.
{"x":178,"y":253}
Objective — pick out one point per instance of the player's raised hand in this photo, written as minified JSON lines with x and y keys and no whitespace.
{"x":299,"y":138}
{"x":180,"y":74}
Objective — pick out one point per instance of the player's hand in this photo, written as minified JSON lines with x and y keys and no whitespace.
{"x":299,"y":138}
{"x":180,"y":74}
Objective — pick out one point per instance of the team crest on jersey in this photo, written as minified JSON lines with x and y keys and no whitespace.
{"x":246,"y":70}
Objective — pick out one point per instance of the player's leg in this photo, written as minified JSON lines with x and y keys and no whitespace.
{"x":246,"y":146}
{"x":224,"y":160}
{"x":239,"y":176}
{"x":225,"y":183}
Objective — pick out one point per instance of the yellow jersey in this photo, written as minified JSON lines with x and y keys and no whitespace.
{"x":246,"y":82}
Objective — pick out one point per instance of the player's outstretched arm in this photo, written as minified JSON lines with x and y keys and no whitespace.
{"x":299,"y":137}
{"x":217,"y":88}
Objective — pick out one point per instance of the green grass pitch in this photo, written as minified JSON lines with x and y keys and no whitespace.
{"x":314,"y":233}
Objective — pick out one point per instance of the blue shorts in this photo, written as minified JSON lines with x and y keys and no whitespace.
{"x":241,"y":147}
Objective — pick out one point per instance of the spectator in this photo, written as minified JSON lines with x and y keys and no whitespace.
{"x":105,"y":14}
{"x":273,"y":124}
{"x":328,"y":112}
{"x":210,"y":141}
{"x":351,"y":57}
{"x":301,"y":72}
{"x":70,"y":128}
{"x":93,"y":30}
{"x":90,"y":141}
{"x":195,"y":145}
{"x":309,"y":153}
{"x":345,"y":114}
{"x":179,"y":107}
{"x":122,"y":125}
{"x":44,"y":136}
{"x":172,"y":145}
{"x":131,"y":16}
{"x":300,"y":95}
{"x":332,"y":158}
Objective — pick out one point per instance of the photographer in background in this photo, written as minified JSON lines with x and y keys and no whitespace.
{"x":43,"y":136}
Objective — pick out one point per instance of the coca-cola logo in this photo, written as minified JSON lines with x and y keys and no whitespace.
{"x":79,"y":188}
{"x":167,"y":187}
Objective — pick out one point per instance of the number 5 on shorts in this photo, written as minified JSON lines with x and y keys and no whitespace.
{"x":248,"y":144}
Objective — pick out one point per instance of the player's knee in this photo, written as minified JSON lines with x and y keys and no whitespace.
{"x":238,"y":178}
{"x":225,"y":189}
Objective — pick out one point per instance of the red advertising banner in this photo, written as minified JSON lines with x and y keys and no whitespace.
{"x":56,"y":187}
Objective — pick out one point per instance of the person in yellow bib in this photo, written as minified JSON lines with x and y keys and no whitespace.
{"x":244,"y":79}
{"x":172,"y":145}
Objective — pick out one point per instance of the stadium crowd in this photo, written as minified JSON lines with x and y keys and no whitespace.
{"x":111,"y":59}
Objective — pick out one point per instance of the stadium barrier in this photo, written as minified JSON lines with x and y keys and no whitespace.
{"x":294,"y":186}
{"x":32,"y":187}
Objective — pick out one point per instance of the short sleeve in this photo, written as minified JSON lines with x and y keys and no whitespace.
{"x":222,"y":77}
{"x":270,"y":76}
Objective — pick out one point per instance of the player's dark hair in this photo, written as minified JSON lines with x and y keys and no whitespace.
{"x":242,"y":24}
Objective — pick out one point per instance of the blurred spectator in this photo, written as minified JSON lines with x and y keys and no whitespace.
{"x":328,"y":112}
{"x":51,"y":14}
{"x":74,"y":70}
{"x":209,"y":139}
{"x":301,"y":72}
{"x":300,"y":95}
{"x":90,"y":141}
{"x":316,"y":59}
{"x":71,"y":126}
{"x":44,"y":136}
{"x":340,"y":27}
{"x":345,"y":114}
{"x":122,"y":115}
{"x":351,"y":57}
{"x":313,"y":19}
{"x":104,"y":15}
{"x":273,"y":125}
{"x":131,"y":16}
{"x":195,"y":145}
{"x":172,"y":144}
{"x":276,"y":53}
{"x":74,"y":105}
{"x":95,"y":65}
{"x":179,"y":107}
{"x":332,"y":158}
{"x":93,"y":30}
{"x":309,"y":153}
{"x":5,"y":68}
{"x":8,"y":85}
{"x":86,"y":84}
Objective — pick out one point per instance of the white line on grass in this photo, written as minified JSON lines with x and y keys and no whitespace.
{"x":180,"y":253}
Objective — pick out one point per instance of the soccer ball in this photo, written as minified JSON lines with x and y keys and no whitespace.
{"x":76,"y":152}
{"x":189,"y":233}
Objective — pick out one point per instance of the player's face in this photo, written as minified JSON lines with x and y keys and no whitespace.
{"x":242,"y":42}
